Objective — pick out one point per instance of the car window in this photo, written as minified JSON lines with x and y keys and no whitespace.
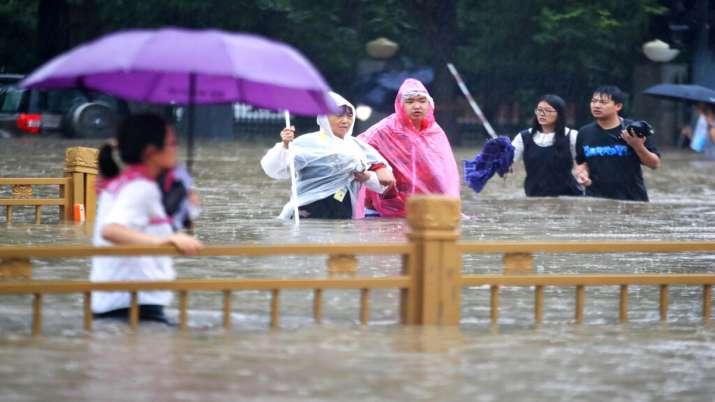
{"x":11,"y":100}
{"x":61,"y":101}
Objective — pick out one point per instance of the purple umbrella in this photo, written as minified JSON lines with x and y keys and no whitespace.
{"x":180,"y":66}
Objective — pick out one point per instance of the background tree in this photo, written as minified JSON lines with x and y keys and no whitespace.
{"x":437,"y":24}
{"x":509,"y":51}
{"x":518,"y":50}
{"x":18,"y":41}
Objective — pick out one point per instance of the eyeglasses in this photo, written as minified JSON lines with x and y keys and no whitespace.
{"x":543,"y":112}
{"x":601,"y":101}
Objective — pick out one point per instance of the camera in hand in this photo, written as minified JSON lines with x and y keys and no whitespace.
{"x":640,"y":128}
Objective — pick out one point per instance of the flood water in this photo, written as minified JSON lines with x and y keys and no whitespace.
{"x":600,"y":360}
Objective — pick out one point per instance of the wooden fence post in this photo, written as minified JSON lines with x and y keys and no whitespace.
{"x":81,"y":166}
{"x":436,"y":267}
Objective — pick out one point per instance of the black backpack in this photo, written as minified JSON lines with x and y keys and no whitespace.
{"x":173,"y":192}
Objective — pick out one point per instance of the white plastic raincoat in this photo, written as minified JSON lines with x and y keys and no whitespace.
{"x":325,"y":164}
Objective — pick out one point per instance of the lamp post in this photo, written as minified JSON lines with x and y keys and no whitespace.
{"x":665,"y":117}
{"x":381,"y":48}
{"x":659,"y":51}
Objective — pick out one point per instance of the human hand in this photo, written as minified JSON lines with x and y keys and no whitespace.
{"x":194,"y":199}
{"x":287,"y":135}
{"x":385,"y":177}
{"x":186,"y":244}
{"x":632,"y":139}
{"x":361,"y":176}
{"x":581,"y":174}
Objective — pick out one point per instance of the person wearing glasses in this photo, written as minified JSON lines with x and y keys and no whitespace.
{"x":548,"y":149}
{"x":609,"y":157}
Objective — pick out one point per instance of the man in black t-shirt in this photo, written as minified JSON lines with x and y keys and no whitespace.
{"x":609,"y":157}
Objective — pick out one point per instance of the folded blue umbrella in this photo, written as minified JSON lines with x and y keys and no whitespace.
{"x":496,"y":157}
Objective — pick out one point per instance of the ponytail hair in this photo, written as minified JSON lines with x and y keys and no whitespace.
{"x":135,"y":134}
{"x":108,"y":167}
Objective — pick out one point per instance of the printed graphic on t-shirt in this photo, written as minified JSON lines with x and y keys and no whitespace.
{"x":607,"y":150}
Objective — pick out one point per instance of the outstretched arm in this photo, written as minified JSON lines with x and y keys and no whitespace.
{"x":120,"y":234}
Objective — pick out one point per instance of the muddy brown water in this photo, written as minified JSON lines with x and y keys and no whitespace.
{"x":341,"y":360}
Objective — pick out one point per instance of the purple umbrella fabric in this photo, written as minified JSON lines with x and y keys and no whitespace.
{"x":161,"y":66}
{"x":496,"y":157}
{"x":187,"y":67}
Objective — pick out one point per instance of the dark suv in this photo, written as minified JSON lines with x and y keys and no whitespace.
{"x":68,"y":112}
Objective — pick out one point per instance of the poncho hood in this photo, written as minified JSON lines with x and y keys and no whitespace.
{"x":412,"y":86}
{"x":323,"y":122}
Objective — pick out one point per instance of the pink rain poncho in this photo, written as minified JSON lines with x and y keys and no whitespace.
{"x":421,"y":158}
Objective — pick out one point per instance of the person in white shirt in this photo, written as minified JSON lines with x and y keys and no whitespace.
{"x":548,"y":149}
{"x":130,"y":211}
{"x":331,"y":167}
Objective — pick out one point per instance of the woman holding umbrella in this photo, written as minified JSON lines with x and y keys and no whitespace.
{"x":548,"y":149}
{"x":332,"y":167}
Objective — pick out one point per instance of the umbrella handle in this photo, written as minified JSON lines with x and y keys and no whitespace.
{"x":291,"y":168}
{"x":471,"y":100}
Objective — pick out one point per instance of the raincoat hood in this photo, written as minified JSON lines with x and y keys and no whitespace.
{"x":413,"y":87}
{"x":323,"y":122}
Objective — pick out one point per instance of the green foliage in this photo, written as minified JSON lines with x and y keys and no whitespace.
{"x":508,"y":50}
{"x":18,"y":39}
{"x":520,"y":50}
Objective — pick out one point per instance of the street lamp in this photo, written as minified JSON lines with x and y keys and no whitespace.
{"x":381,"y":48}
{"x":659,"y":51}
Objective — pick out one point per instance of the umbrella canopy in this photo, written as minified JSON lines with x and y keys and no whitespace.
{"x":682,"y":92}
{"x":157,"y":66}
{"x":180,"y":66}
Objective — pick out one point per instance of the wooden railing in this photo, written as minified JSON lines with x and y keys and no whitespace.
{"x":581,"y":281}
{"x":430,"y":284}
{"x":75,"y":189}
{"x":518,"y":263}
{"x":22,"y":191}
{"x":340,"y":262}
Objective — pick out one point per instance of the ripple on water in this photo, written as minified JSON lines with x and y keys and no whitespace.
{"x":340,"y":360}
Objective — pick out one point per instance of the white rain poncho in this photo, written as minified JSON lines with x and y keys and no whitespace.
{"x":325,"y":164}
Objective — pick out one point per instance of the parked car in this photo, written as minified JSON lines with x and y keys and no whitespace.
{"x":67,"y":112}
{"x":9,"y":79}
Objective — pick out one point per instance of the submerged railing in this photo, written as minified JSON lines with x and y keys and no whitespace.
{"x":22,"y":195}
{"x":76,"y":194}
{"x":430,"y":284}
{"x":16,"y":265}
{"x":518,"y":263}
